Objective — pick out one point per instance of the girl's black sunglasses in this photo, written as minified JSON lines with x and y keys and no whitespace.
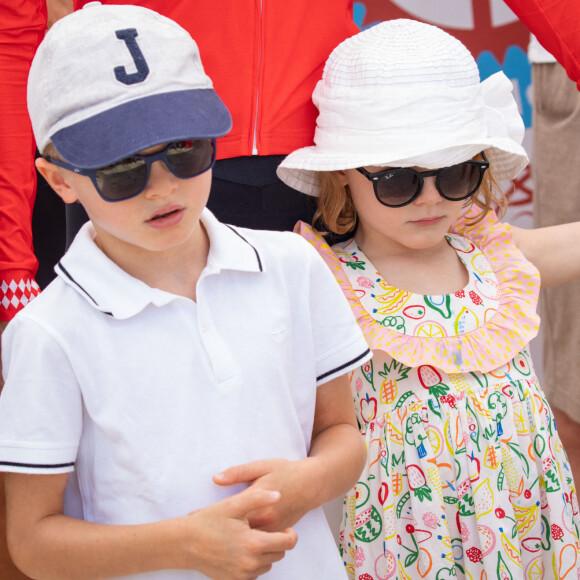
{"x":399,"y":186}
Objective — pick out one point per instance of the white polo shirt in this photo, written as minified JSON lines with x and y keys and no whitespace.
{"x":144,"y":395}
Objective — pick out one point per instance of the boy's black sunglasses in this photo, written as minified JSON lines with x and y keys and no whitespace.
{"x":127,"y":178}
{"x":399,"y":186}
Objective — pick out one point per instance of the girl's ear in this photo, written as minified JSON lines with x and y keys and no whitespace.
{"x":340,"y":173}
{"x":56,"y":178}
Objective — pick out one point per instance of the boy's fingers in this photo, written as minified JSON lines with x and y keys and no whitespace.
{"x":280,"y":542}
{"x":292,"y":537}
{"x":240,"y":505}
{"x":241,"y":473}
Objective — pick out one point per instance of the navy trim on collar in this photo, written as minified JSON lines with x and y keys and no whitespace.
{"x":70,"y":277}
{"x":253,"y":247}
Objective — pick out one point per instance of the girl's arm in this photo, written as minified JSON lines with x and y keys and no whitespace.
{"x":555,"y":251}
{"x":336,"y":460}
{"x":217,"y":540}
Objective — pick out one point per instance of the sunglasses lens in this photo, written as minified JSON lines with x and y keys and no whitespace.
{"x":190,"y":158}
{"x":397,"y":188}
{"x":122,"y":180}
{"x":459,"y":181}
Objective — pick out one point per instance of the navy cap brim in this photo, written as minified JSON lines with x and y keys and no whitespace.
{"x":134,"y":126}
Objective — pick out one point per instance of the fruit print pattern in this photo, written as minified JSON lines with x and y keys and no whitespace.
{"x":465,"y":466}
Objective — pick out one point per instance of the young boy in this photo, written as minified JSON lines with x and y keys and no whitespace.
{"x":175,"y":403}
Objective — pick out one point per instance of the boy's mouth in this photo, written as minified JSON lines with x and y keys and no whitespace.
{"x":166,"y":216}
{"x":165,"y":212}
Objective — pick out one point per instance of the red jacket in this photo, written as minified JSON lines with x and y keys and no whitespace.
{"x":556,"y":25}
{"x":22,"y":25}
{"x":264,"y":57}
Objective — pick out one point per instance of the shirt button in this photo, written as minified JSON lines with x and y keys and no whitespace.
{"x":203,"y":327}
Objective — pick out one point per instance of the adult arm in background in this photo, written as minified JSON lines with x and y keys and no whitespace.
{"x":22,"y":26}
{"x":556,"y":25}
{"x":56,"y":9}
{"x":554,"y":251}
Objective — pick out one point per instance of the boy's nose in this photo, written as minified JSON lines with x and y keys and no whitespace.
{"x":161,"y":180}
{"x":429,"y":194}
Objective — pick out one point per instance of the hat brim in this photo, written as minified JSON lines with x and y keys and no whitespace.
{"x":300,"y":169}
{"x":134,"y":126}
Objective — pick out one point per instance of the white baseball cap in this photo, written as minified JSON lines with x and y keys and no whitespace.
{"x":109,"y":81}
{"x":407,"y":94}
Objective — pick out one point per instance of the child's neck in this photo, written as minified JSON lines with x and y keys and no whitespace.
{"x":432,"y":271}
{"x":176,"y":270}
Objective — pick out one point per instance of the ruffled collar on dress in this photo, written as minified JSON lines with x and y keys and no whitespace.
{"x":494,"y":342}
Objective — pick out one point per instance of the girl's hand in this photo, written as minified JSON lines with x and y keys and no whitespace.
{"x":223,"y":545}
{"x":293,"y":479}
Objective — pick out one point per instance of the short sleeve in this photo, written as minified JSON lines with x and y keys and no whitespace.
{"x":339,"y":342}
{"x":40,"y":405}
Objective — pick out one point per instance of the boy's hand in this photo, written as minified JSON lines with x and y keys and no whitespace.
{"x":293,"y":479}
{"x":226,"y":548}
{"x":216,"y":540}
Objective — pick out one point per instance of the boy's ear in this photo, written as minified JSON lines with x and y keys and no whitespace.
{"x":56,"y":178}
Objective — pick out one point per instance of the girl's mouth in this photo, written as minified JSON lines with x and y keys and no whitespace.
{"x":428,"y":221}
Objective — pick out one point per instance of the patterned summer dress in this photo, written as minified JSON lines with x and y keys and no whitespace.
{"x":466,"y":477}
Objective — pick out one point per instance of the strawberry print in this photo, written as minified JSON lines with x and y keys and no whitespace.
{"x":449,"y":399}
{"x":429,"y":376}
{"x":557,"y":533}
{"x":474,"y":554}
{"x":417,"y":482}
{"x":475,"y":298}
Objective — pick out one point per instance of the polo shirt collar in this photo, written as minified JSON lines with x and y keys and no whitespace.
{"x":108,"y":288}
{"x":229,"y":247}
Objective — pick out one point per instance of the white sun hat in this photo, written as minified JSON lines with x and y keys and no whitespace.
{"x":407,"y":94}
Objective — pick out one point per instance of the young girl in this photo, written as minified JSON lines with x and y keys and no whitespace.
{"x":466,"y":477}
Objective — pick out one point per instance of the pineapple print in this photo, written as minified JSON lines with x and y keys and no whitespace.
{"x":351,"y":507}
{"x":391,"y":373}
{"x":435,"y":482}
{"x":459,"y":382}
{"x":510,"y":472}
{"x":397,"y":485}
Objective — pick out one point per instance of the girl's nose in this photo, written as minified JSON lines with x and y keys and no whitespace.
{"x":429,"y":194}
